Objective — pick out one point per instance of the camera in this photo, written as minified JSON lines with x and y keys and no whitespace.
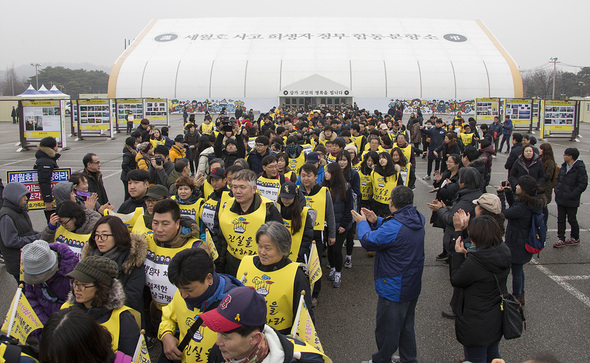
{"x":227,"y":124}
{"x":504,"y":183}
{"x":159,"y":160}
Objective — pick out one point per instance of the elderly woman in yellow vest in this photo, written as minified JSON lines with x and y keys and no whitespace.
{"x":276,"y":277}
{"x":188,"y":197}
{"x":96,"y":291}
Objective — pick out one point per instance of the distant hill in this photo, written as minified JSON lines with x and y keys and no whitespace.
{"x":26,"y":70}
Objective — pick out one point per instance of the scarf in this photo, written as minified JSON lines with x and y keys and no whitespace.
{"x":257,"y":354}
{"x":195,"y":302}
{"x":112,"y":254}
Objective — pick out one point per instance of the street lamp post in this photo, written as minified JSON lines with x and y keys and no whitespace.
{"x":36,"y":65}
{"x":554,"y":61}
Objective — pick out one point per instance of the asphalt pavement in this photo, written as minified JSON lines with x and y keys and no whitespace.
{"x":557,"y":283}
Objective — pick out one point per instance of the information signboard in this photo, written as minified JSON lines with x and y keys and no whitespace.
{"x":559,"y":118}
{"x":126,"y":106}
{"x":42,"y":118}
{"x":520,"y":112}
{"x":30,"y":179}
{"x":487,"y":108}
{"x":156,"y":110}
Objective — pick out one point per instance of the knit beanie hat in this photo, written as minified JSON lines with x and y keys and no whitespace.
{"x":48,"y":141}
{"x":40,"y":263}
{"x":351,"y":147}
{"x":528,"y":184}
{"x":95,"y":269}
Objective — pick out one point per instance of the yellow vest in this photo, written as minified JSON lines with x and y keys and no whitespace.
{"x":366,"y":185}
{"x":277,"y":289}
{"x":288,"y":175}
{"x":407,"y":151}
{"x":405,"y":173}
{"x":296,"y":163}
{"x":303,"y":347}
{"x":129,"y":219}
{"x":207,"y":129}
{"x":156,"y":265}
{"x":73,"y":240}
{"x":204,"y":338}
{"x":207,"y":189}
{"x":298,"y":236}
{"x":113,"y":325}
{"x":383,"y":186}
{"x":155,"y":142}
{"x":356,"y":167}
{"x":268,"y":188}
{"x":240,"y":230}
{"x":317,"y":203}
{"x":358,"y":141}
{"x":331,"y":159}
{"x":190,"y":210}
{"x":466,"y":138}
{"x":208,"y":209}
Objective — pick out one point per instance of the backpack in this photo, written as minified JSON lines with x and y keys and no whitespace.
{"x":535,"y":241}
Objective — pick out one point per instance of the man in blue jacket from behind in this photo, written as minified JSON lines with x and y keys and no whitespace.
{"x":398,"y":241}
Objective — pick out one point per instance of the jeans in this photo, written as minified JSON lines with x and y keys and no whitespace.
{"x":335,"y":252}
{"x":571,"y":213}
{"x":505,"y":138}
{"x":395,"y":329}
{"x":517,"y":279}
{"x":482,"y":354}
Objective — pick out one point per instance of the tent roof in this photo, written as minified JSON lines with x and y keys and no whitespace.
{"x":30,"y":91}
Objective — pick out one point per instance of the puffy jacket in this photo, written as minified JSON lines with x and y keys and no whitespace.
{"x":399,"y":242}
{"x":535,"y":169}
{"x":45,"y":164}
{"x":437,"y":138}
{"x":128,"y":162}
{"x":255,"y":160}
{"x":507,"y":127}
{"x":342,"y":208}
{"x":92,"y":217}
{"x":463,"y":200}
{"x":58,"y":286}
{"x":570,"y":185}
{"x":477,"y":299}
{"x":515,"y":153}
{"x":496,"y":129}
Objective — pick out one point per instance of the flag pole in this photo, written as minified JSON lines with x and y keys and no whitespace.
{"x":296,"y":321}
{"x":14,"y":308}
{"x":138,"y":345}
{"x":244,"y":277}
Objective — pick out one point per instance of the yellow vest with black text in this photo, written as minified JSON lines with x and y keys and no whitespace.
{"x":129,"y":219}
{"x":366,"y":185}
{"x":298,"y":236}
{"x":331,"y":158}
{"x":208,"y":208}
{"x":277,"y":289}
{"x":73,"y":240}
{"x":207,"y":129}
{"x":113,"y":325}
{"x":296,"y":163}
{"x":356,"y":167}
{"x":190,"y":210}
{"x":405,"y":173}
{"x":466,"y":138}
{"x":407,"y":151}
{"x":268,"y":188}
{"x":382,"y":186}
{"x":240,"y":230}
{"x":317,"y":203}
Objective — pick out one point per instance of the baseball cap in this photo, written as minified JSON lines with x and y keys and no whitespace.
{"x":312,"y":157}
{"x":288,"y":190}
{"x":242,"y":306}
{"x":489,"y":202}
{"x":218,"y":173}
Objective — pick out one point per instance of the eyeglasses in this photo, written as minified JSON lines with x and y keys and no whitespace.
{"x":80,"y":286}
{"x":64,"y":223}
{"x":153,"y":201}
{"x":101,"y":237}
{"x":95,"y":162}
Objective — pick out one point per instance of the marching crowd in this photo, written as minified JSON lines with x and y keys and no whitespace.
{"x":213,"y":247}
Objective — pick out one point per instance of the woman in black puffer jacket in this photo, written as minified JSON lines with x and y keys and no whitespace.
{"x":477,"y":273}
{"x":528,"y":163}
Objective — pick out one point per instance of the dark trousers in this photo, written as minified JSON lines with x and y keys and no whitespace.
{"x":517,"y":279}
{"x":505,"y":138}
{"x":335,"y":252}
{"x":129,"y":127}
{"x":380,"y":209}
{"x":482,"y":354}
{"x":436,"y":165}
{"x":571,"y":213}
{"x":350,"y":239}
{"x":496,"y":141}
{"x":417,"y":150}
{"x":395,"y":329}
{"x":191,"y":155}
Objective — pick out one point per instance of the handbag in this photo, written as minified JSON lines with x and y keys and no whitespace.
{"x":513,"y":320}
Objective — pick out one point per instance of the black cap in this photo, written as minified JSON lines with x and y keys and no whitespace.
{"x":179,"y":138}
{"x":218,"y":173}
{"x":288,"y":190}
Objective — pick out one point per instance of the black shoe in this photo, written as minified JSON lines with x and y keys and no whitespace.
{"x":449,"y":314}
{"x":442,"y":257}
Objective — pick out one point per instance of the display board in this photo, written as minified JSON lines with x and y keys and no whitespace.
{"x":487,"y":108}
{"x":30,"y":179}
{"x":126,"y":105}
{"x":94,"y":117}
{"x":559,"y":118}
{"x":536,"y":113}
{"x":156,"y":110}
{"x":520,"y":112}
{"x":42,"y":118}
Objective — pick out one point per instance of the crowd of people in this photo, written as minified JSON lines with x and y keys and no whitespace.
{"x":238,"y":202}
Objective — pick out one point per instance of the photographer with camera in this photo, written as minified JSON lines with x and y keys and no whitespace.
{"x":231,"y":137}
{"x":177,"y":150}
{"x":160,"y":166}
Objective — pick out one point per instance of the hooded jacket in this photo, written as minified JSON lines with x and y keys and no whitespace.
{"x":131,"y":269}
{"x":45,"y":164}
{"x":128,"y":162}
{"x":57,"y":287}
{"x":128,"y":328}
{"x":571,"y":184}
{"x":399,"y":242}
{"x":86,"y":228}
{"x":535,"y":169}
{"x":16,"y":229}
{"x":477,"y":298}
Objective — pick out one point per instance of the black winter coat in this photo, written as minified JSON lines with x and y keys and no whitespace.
{"x":515,"y":153}
{"x":536,"y":170}
{"x":477,"y":300}
{"x":45,"y":164}
{"x":128,"y":162}
{"x":519,"y":216}
{"x":463,"y":200}
{"x":570,"y":185}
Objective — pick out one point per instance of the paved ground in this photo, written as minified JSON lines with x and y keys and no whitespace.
{"x":557,"y":283}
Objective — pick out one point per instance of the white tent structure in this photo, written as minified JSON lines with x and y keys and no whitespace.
{"x":268,"y":61}
{"x":29,"y":92}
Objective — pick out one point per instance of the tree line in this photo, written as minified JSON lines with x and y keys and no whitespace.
{"x":539,"y":83}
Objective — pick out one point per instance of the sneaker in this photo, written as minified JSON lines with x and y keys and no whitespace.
{"x":331,"y":275}
{"x":572,"y":242}
{"x":328,"y":265}
{"x":426,"y":177}
{"x":348,"y":262}
{"x":442,"y":257}
{"x":560,"y":243}
{"x":337,"y":281}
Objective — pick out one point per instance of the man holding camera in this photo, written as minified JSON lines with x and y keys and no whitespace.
{"x":161,"y":166}
{"x":231,"y":137}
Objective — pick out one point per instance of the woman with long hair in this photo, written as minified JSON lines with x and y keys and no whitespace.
{"x":297,"y":219}
{"x":551,"y":170}
{"x":407,"y":172}
{"x":283,"y":165}
{"x":192,"y":139}
{"x":156,"y":138}
{"x":144,"y":156}
{"x":344,"y":159}
{"x":529,"y":200}
{"x":528,"y":163}
{"x":341,"y":194}
{"x":370,"y":159}
{"x":384,"y":177}
{"x":478,"y":270}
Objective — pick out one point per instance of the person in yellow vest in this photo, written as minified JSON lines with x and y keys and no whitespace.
{"x":188,"y":197}
{"x":370,"y":159}
{"x":295,"y":153}
{"x":220,"y":192}
{"x":327,"y":135}
{"x":468,"y":137}
{"x":238,"y":219}
{"x":384,"y":178}
{"x":298,"y":220}
{"x":274,"y":276}
{"x":354,"y":156}
{"x":199,"y":289}
{"x":206,"y":127}
{"x":156,"y":138}
{"x":137,"y":185}
{"x":177,"y":150}
{"x":144,"y":156}
{"x":96,"y":291}
{"x":284,"y":167}
{"x":374,"y":144}
{"x":243,"y":335}
{"x":270,"y":181}
{"x":407,"y":170}
{"x":406,"y":148}
{"x":72,"y":217}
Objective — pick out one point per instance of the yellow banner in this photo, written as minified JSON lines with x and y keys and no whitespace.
{"x":306,"y":330}
{"x":560,"y":128}
{"x":93,"y":102}
{"x":95,"y":127}
{"x":211,"y":245}
{"x":155,"y":100}
{"x":141,"y":351}
{"x":41,"y":134}
{"x":129,"y":100}
{"x":560,"y":103}
{"x":516,"y":100}
{"x":313,"y":267}
{"x":40,"y":103}
{"x":25,"y":320}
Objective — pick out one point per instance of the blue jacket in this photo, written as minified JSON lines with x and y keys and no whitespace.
{"x":399,"y":261}
{"x":507,"y":127}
